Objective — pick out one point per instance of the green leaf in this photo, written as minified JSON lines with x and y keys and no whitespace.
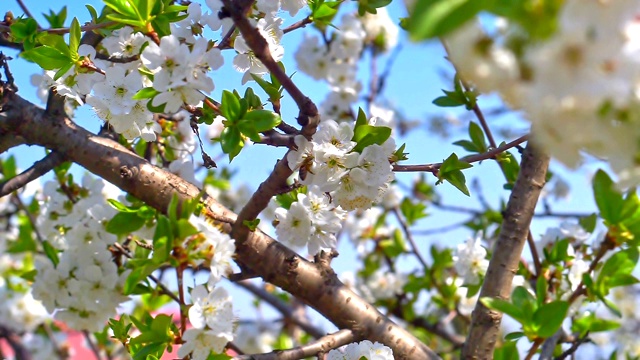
{"x":124,"y":7}
{"x":63,"y":70}
{"x":477,"y":136}
{"x":92,"y":12}
{"x":231,"y":141}
{"x":588,"y":223}
{"x":504,"y":307}
{"x":549,"y":317}
{"x":450,"y":171}
{"x":145,"y":93}
{"x":508,"y":351}
{"x":230,"y":106}
{"x":74,"y":39}
{"x":123,"y":19}
{"x":262,"y":120}
{"x":51,"y":252}
{"x":366,"y":135}
{"x":527,"y":303}
{"x":446,"y":101}
{"x":589,"y":323}
{"x":124,"y":223}
{"x":467,"y":145}
{"x":514,"y":336}
{"x":251,"y":224}
{"x":616,"y":267}
{"x":144,"y":8}
{"x":412,"y":212}
{"x":9,"y":167}
{"x":608,"y":198}
{"x":120,"y":206}
{"x":139,"y":273}
{"x":46,"y":57}
{"x":542,"y":287}
{"x":434,"y":18}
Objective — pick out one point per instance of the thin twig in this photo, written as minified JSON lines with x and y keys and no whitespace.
{"x":27,"y":12}
{"x":534,"y":254}
{"x":283,"y":308}
{"x":14,"y":341}
{"x":433,"y":168}
{"x":574,"y":347}
{"x":38,"y":169}
{"x":409,"y":236}
{"x":32,"y":220}
{"x":92,"y":344}
{"x":297,"y":25}
{"x":162,"y":287}
{"x":61,"y":31}
{"x":322,"y":345}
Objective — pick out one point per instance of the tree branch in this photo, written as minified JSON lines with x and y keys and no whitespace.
{"x":308,"y":117}
{"x":321,"y":345}
{"x":283,"y":308}
{"x":433,"y":168}
{"x":38,"y":169}
{"x":20,"y":352}
{"x":485,"y":323}
{"x":263,"y":255}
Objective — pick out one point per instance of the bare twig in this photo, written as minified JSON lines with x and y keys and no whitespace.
{"x":491,"y":154}
{"x":534,"y":254}
{"x":26,"y":11}
{"x":297,"y":25}
{"x":322,"y":345}
{"x":92,"y":344}
{"x":409,"y":236}
{"x":38,"y":169}
{"x":283,"y":308}
{"x":15,"y":343}
{"x":485,"y":323}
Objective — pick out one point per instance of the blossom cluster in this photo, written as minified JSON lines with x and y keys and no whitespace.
{"x":211,"y":248}
{"x":578,"y":87}
{"x":328,"y":165}
{"x":337,"y":61}
{"x":364,"y":349}
{"x":88,"y":284}
{"x":211,"y":316}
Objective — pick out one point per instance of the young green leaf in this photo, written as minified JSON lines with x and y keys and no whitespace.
{"x":74,"y":40}
{"x":549,"y":317}
{"x":434,"y":18}
{"x":608,"y":198}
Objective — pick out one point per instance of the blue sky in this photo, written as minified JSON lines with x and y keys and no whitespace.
{"x":414,"y":82}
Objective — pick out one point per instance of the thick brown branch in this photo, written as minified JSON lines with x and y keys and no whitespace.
{"x":485,"y":323}
{"x":8,"y":141}
{"x":274,"y":262}
{"x":322,"y":345}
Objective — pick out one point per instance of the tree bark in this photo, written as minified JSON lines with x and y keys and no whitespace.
{"x":316,"y":285}
{"x":485,"y":323}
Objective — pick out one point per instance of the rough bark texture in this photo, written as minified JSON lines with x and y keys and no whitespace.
{"x":485,"y":323}
{"x":315,"y":284}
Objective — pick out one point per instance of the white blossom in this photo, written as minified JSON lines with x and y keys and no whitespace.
{"x":470,"y":260}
